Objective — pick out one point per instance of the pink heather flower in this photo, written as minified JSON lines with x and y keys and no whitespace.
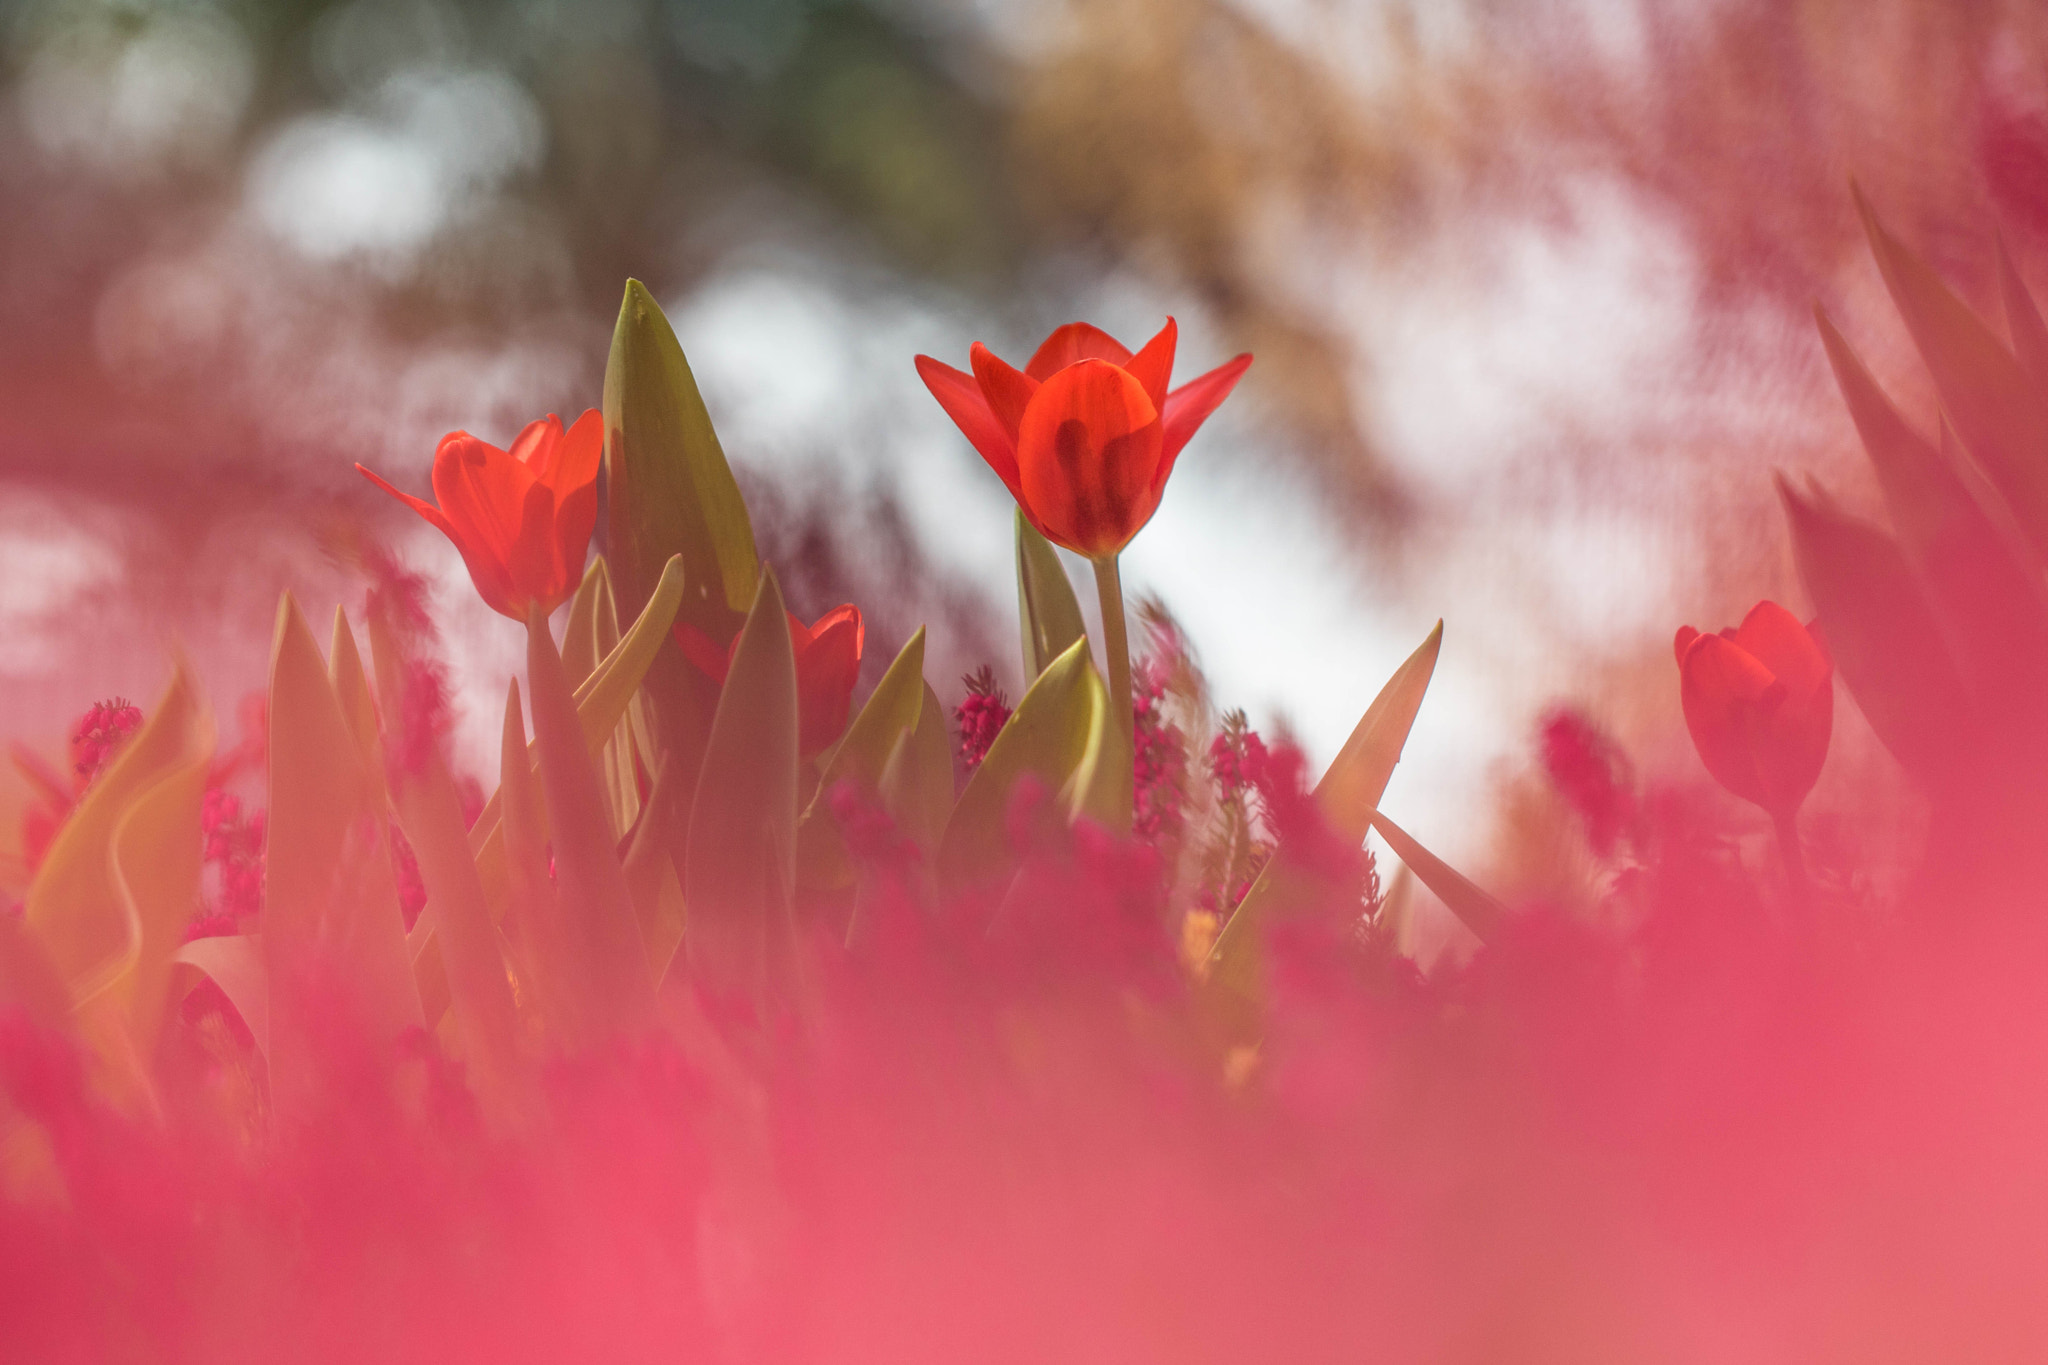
{"x":1237,"y":760}
{"x":100,"y":732}
{"x":981,"y":715}
{"x":1159,"y":757}
{"x":1592,"y":774}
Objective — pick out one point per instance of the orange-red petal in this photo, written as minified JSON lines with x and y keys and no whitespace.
{"x":1087,"y":451}
{"x":1188,"y":406}
{"x":1072,"y":344}
{"x":1152,"y":366}
{"x":964,"y":402}
{"x":1007,"y":389}
{"x":827,"y":666}
{"x":1778,"y":641}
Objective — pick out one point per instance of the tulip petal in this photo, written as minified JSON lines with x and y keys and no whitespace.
{"x":535,"y":445}
{"x":482,"y":490}
{"x":1007,"y":389}
{"x":1152,"y":366}
{"x":965,"y":403}
{"x":1686,"y":635}
{"x":701,"y":650}
{"x":1777,"y":640}
{"x":420,"y":505}
{"x":1722,"y":688}
{"x":1087,"y":452}
{"x":1072,"y":344}
{"x":826,"y":670}
{"x":1188,"y":406}
{"x":573,"y":478}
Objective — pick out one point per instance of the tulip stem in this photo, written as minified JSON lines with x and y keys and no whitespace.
{"x":1116,"y":649}
{"x":1796,"y":880}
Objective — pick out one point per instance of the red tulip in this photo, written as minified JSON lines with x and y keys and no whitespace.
{"x":1087,"y":433}
{"x":827,"y":663}
{"x":1759,"y":701}
{"x":521,"y":518}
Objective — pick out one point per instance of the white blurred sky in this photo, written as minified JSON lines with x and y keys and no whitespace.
{"x":1491,"y":348}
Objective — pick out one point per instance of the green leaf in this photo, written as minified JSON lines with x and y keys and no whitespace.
{"x":1046,"y":606}
{"x":2023,"y":320}
{"x":1047,"y":738}
{"x":891,"y":711}
{"x":236,"y":964}
{"x":740,"y":868}
{"x":671,"y":493}
{"x":580,"y":650}
{"x":1482,"y":914}
{"x":916,"y":785}
{"x":429,"y":809}
{"x":650,"y":871}
{"x":1349,"y":796}
{"x":600,"y":703}
{"x":1884,"y":637}
{"x":1993,"y":405}
{"x":76,"y":907}
{"x":599,"y":926}
{"x":1922,"y":493}
{"x":330,"y":904}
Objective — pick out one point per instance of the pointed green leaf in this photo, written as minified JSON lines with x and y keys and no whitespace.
{"x":1481,"y":913}
{"x":1046,"y":606}
{"x":1349,"y":796}
{"x":330,"y":904}
{"x":2023,"y":320}
{"x":580,"y":650}
{"x":740,"y":867}
{"x":1922,"y":493}
{"x":1995,"y":407}
{"x":891,"y":711}
{"x":1047,"y":737}
{"x":1883,"y":635}
{"x":916,"y":785}
{"x":235,"y":963}
{"x":671,"y":493}
{"x":429,"y":809}
{"x":598,"y":922}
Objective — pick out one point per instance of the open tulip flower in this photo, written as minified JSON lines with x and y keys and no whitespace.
{"x":1084,"y":435}
{"x":827,"y":663}
{"x":522,"y":517}
{"x":1759,"y":701}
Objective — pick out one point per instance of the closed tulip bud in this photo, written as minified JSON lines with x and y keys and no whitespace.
{"x":1759,"y":701}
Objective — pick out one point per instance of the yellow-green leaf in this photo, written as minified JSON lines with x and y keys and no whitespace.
{"x":330,"y":904}
{"x":430,"y":811}
{"x":1990,"y":400}
{"x":1047,"y":609}
{"x":916,"y":785}
{"x":235,"y":963}
{"x":596,"y":912}
{"x":891,"y":712}
{"x":1349,"y":796}
{"x":671,"y":493}
{"x":1046,"y":738}
{"x":580,"y":651}
{"x":740,"y":867}
{"x":87,"y":928}
{"x":1482,"y":914}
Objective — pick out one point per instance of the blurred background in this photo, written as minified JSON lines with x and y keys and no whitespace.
{"x":1528,"y":282}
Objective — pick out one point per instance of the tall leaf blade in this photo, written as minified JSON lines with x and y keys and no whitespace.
{"x":671,"y":493}
{"x":891,"y":711}
{"x":1884,"y":638}
{"x":599,"y":925}
{"x":1481,"y":913}
{"x":1348,"y":795}
{"x":1047,"y":610}
{"x":740,"y":868}
{"x":75,"y":907}
{"x":1045,"y":739}
{"x":1994,"y":406}
{"x":330,"y":906}
{"x":916,"y":784}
